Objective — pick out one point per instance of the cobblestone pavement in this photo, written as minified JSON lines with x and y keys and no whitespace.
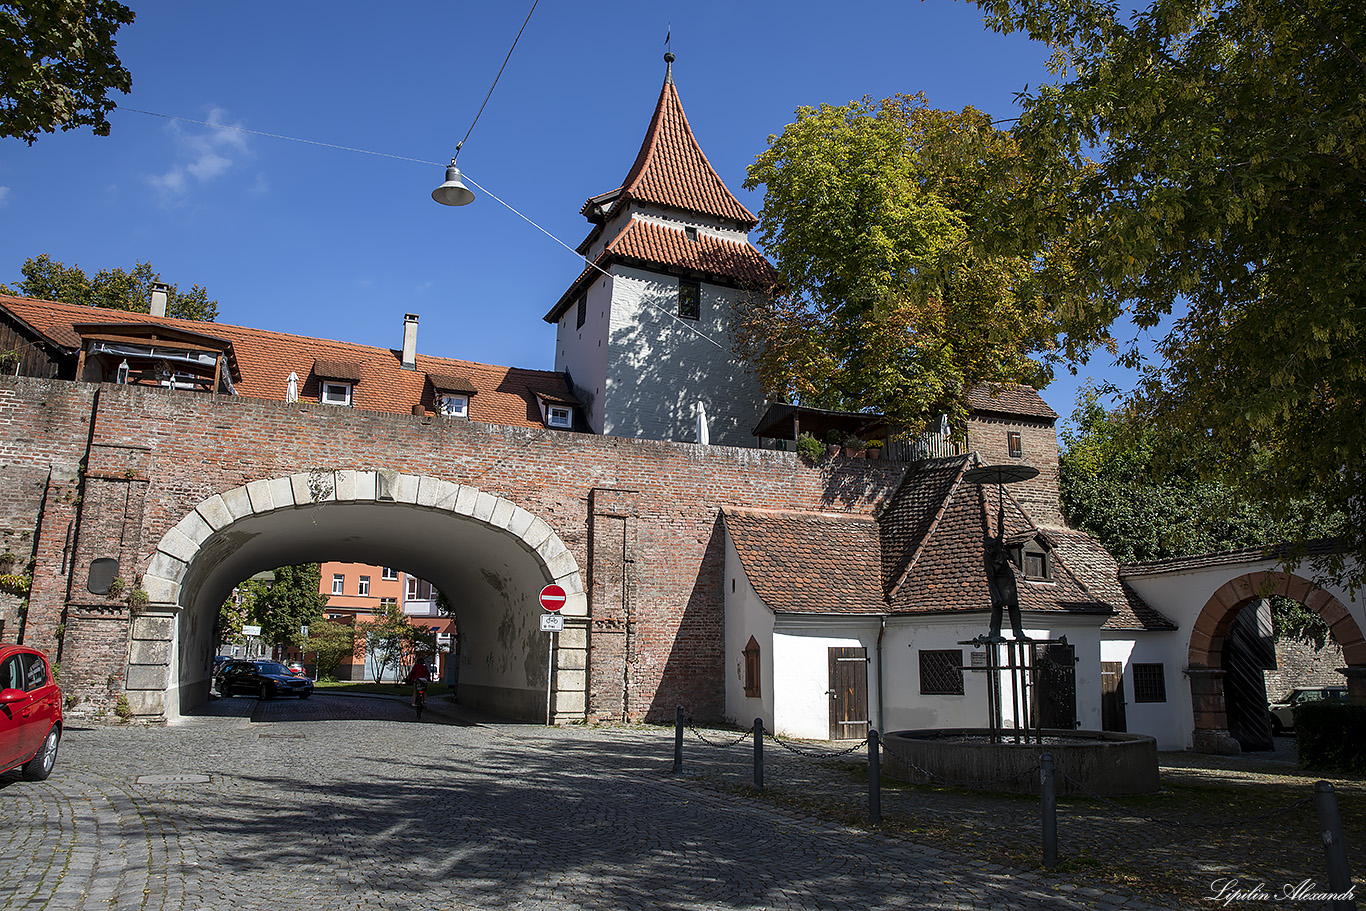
{"x":348,"y":803}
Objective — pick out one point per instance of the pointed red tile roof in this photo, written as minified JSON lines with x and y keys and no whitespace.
{"x":264,"y":359}
{"x":671,"y":170}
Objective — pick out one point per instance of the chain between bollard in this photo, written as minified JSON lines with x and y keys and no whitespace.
{"x":814,"y":753}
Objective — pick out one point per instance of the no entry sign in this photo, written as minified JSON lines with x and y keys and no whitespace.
{"x":552,"y":597}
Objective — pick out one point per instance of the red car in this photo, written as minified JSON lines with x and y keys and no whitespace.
{"x":30,"y":712}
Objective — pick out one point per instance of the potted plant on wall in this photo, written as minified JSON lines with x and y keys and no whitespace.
{"x":854,"y":448}
{"x":875,"y":449}
{"x":832,"y":442}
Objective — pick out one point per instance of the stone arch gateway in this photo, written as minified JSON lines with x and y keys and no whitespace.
{"x":491,"y":556}
{"x":1204,"y":657}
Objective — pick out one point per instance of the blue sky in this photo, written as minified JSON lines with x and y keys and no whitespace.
{"x":309,"y":239}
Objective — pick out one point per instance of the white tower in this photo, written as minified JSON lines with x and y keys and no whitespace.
{"x":644,"y":331}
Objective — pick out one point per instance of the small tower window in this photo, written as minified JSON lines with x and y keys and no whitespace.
{"x":1015,"y":445}
{"x":689,"y":300}
{"x":582,"y":312}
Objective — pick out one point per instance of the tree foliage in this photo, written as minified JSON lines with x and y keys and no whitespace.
{"x":115,"y":289}
{"x":1231,"y":165}
{"x":57,"y":65}
{"x":283,"y":607}
{"x":902,"y":282}
{"x":1147,"y":496}
{"x":392,"y":641}
{"x":330,"y":642}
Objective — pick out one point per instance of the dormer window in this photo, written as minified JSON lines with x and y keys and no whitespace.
{"x":334,"y":393}
{"x":453,"y":405}
{"x":690,"y":232}
{"x":1032,"y":561}
{"x":559,"y":416}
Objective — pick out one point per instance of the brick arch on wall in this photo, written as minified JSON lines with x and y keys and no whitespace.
{"x":1205,"y":655}
{"x":149,"y":662}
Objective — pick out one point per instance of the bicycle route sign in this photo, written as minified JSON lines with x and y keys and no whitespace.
{"x":553,"y":597}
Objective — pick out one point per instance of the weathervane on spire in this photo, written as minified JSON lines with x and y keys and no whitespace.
{"x":668,"y":55}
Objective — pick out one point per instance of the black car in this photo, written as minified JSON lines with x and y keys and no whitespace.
{"x":265,"y":679}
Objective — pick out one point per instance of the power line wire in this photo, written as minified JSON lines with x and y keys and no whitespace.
{"x":511,"y":208}
{"x":499,"y":76}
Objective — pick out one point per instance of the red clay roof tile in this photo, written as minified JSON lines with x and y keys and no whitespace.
{"x":506,"y":395}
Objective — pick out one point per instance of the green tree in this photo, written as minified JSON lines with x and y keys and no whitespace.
{"x":283,"y":607}
{"x":393,"y":642}
{"x":1230,"y":138}
{"x":330,"y":642}
{"x":232,"y":616}
{"x":57,"y":65}
{"x":900,"y":285}
{"x":115,"y":289}
{"x":1146,"y":496}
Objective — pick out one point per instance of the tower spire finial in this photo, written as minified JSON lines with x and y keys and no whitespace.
{"x":668,"y":67}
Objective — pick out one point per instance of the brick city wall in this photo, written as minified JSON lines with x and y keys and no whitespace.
{"x":153,"y":455}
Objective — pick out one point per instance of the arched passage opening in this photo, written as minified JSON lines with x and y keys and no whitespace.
{"x":488,"y":555}
{"x":1205,"y":659}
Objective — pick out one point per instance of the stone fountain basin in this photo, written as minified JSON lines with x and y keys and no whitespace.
{"x":1101,"y":762}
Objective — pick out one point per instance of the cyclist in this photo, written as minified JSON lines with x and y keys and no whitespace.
{"x":419,"y":677}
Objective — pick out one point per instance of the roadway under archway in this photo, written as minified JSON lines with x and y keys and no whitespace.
{"x":488,"y":555}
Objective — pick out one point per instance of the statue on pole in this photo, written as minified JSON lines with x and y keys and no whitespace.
{"x":1000,"y":571}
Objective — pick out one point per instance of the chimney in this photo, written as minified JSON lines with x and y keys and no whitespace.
{"x":409,"y":361}
{"x":159,"y":292}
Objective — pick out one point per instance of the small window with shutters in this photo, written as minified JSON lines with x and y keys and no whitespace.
{"x":1015,"y":445}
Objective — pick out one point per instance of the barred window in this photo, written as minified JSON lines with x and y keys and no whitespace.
{"x":941,"y":672}
{"x":1150,"y":683}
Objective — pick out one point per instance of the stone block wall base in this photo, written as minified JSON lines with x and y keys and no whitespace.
{"x":1218,"y":743}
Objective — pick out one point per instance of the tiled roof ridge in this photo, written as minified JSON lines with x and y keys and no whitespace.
{"x":934,"y":526}
{"x":795,"y":513}
{"x":653,"y":148}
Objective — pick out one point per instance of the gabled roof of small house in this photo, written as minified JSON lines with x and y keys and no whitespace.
{"x":1098,"y":572}
{"x":804,"y":562}
{"x":948,"y":571}
{"x":1010,"y":399}
{"x":913,"y":510}
{"x":263,"y":361}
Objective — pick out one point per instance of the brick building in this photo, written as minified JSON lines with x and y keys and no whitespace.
{"x":179,"y":458}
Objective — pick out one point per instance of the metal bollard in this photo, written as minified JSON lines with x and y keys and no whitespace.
{"x":874,"y":778}
{"x":1049,"y":789}
{"x":1334,"y":848}
{"x":678,"y":739}
{"x":758,"y":754}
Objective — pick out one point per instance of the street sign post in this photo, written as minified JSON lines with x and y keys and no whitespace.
{"x":553,"y":597}
{"x":552,"y":623}
{"x":251,"y":630}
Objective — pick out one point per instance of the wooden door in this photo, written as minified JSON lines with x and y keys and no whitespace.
{"x":1112,"y":696}
{"x":848,"y":693}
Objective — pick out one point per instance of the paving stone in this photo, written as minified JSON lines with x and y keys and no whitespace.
{"x":349,"y":803}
